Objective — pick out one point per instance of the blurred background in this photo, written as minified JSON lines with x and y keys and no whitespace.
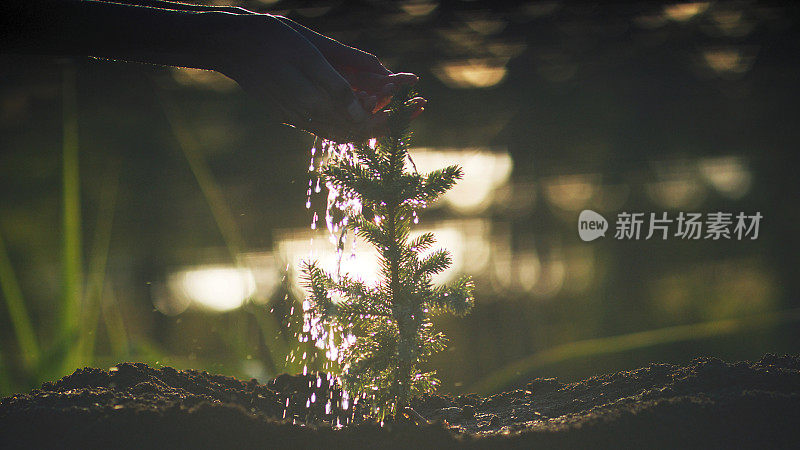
{"x":154,"y":214}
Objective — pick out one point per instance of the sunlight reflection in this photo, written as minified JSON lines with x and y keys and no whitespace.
{"x":540,"y":275}
{"x":571,"y":192}
{"x":728,"y":60}
{"x":731,"y":22}
{"x":535,"y":10}
{"x":728,"y":175}
{"x":484,"y":172}
{"x":462,"y":40}
{"x":216,"y":288}
{"x":468,"y":243}
{"x":453,"y":240}
{"x":677,"y":191}
{"x":677,"y":185}
{"x":266,"y":273}
{"x":358,"y":260}
{"x":466,"y":240}
{"x":529,"y":268}
{"x":551,"y":278}
{"x":505,"y":49}
{"x":473,"y":73}
{"x":611,"y":197}
{"x":502,"y":265}
{"x":681,"y":12}
{"x":484,"y":24}
{"x":418,"y":8}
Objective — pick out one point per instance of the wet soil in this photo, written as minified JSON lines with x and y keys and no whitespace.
{"x":705,"y":404}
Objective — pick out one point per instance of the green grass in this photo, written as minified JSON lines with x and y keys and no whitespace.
{"x":80,"y":305}
{"x":17,"y":312}
{"x":87,"y":304}
{"x":95,"y":286}
{"x":6,"y":384}
{"x":504,"y":376}
{"x":115,"y":325}
{"x":71,"y":257}
{"x":276,"y":349}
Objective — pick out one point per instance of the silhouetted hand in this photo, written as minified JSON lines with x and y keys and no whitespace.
{"x":308,"y":80}
{"x":302,"y":77}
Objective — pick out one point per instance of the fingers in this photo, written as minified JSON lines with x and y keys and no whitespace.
{"x":318,"y":62}
{"x":292,"y":98}
{"x":327,"y":116}
{"x":378,"y":84}
{"x":375,"y":126}
{"x":328,"y":127}
{"x":312,"y":109}
{"x":338,"y":70}
{"x":368,"y":102}
{"x":418,"y":105}
{"x":300,"y":87}
{"x":392,"y":85}
{"x":296,"y":100}
{"x":403,"y":78}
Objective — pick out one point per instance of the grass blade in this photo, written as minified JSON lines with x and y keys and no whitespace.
{"x":217,"y":204}
{"x":614,"y":344}
{"x":97,"y":264}
{"x":20,"y":321}
{"x":115,"y":325}
{"x":72,"y":272}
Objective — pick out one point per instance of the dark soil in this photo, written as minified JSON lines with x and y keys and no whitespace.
{"x":708,"y":403}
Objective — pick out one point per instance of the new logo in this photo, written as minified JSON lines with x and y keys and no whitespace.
{"x":591,"y":225}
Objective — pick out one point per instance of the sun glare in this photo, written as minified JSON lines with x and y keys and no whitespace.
{"x":216,"y":288}
{"x":484,"y":171}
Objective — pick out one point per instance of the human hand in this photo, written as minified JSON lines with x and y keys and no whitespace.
{"x":308,"y":80}
{"x":367,"y":76}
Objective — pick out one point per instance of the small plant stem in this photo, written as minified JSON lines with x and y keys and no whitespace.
{"x":399,"y":302}
{"x":387,"y":325}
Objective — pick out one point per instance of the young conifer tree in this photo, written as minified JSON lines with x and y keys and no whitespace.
{"x":389,"y":324}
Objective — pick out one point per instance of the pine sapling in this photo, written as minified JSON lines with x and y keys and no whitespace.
{"x":385,"y":334}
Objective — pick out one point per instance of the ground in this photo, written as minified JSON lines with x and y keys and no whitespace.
{"x":707,"y":403}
